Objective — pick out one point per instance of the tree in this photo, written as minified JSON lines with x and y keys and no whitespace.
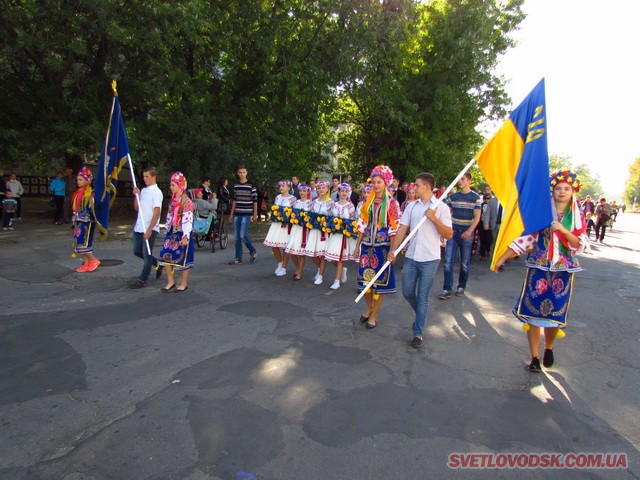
{"x":590,"y":183}
{"x":207,"y":84}
{"x":632,"y":185}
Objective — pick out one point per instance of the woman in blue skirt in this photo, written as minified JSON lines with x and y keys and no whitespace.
{"x":378,"y":222}
{"x":177,"y":249}
{"x":551,"y":261}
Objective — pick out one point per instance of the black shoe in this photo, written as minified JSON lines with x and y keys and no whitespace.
{"x":445,"y":294}
{"x":459,"y":292}
{"x":138,"y":284}
{"x":370,"y":325}
{"x":253,"y":256}
{"x":534,"y":366}
{"x":363,"y":318}
{"x":235,"y":261}
{"x":547,"y":359}
{"x":416,"y":342}
{"x":159,"y":271}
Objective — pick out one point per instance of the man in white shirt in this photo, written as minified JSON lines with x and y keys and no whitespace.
{"x":423,"y":251}
{"x":147,"y":224}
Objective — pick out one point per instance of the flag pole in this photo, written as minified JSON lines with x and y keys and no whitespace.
{"x":415,"y":229}
{"x":133,"y":175}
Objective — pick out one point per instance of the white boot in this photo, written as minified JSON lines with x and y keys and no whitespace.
{"x":343,"y":279}
{"x":335,"y":285}
{"x":318,"y":280}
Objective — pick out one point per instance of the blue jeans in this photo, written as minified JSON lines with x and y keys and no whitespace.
{"x":464,"y":245}
{"x":140,"y":251}
{"x":417,"y":280}
{"x":240,"y":231}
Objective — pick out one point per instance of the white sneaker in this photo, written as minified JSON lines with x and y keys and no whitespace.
{"x":281,"y":272}
{"x":335,"y":285}
{"x":318,"y":280}
{"x":278,"y":268}
{"x":343,"y":279}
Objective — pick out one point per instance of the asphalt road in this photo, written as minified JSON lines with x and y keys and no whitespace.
{"x":247,"y":375}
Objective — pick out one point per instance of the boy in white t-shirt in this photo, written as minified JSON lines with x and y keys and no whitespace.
{"x":147,"y":224}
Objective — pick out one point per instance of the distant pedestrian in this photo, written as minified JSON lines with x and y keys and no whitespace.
{"x":16,"y":191}
{"x":57,"y":186}
{"x":603,"y":216}
{"x":244,"y":209}
{"x":9,"y":207}
{"x":224,"y":196}
{"x":551,"y":263}
{"x":176,"y":254}
{"x":84,"y":220}
{"x":69,"y":189}
{"x":295,"y":185}
{"x":147,"y":226}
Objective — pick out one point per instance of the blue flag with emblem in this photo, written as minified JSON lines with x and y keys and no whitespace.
{"x":515,"y":163}
{"x":112,"y":158}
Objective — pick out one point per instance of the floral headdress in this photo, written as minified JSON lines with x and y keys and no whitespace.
{"x":86,"y":174}
{"x":179,"y":179}
{"x":411,"y":186}
{"x":323,"y":183}
{"x":367,"y":209}
{"x":564,"y":175}
{"x":284,"y":182}
{"x":304,"y":188}
{"x":344,"y":186}
{"x":384,"y":172}
{"x":572,"y":219}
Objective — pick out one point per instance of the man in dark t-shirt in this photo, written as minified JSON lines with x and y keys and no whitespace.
{"x":466,"y":206}
{"x":244,"y":209}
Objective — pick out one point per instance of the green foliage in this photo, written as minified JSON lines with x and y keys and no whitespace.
{"x":631,"y":194}
{"x":275,"y":85}
{"x":590,"y":183}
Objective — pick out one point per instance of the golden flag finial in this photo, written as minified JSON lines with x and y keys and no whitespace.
{"x":113,"y":87}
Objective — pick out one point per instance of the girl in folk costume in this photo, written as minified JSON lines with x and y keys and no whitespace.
{"x":411,"y":196}
{"x":317,"y":241}
{"x":364,"y":194}
{"x":177,"y":249}
{"x":299,"y":231}
{"x":279,"y":232}
{"x":339,"y":247}
{"x":551,"y":262}
{"x":378,"y":222}
{"x":84,"y":221}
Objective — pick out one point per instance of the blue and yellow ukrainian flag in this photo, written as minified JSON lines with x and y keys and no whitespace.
{"x":515,"y":163}
{"x":112,"y":159}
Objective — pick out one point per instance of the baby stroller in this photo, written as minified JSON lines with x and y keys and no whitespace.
{"x":211,"y":228}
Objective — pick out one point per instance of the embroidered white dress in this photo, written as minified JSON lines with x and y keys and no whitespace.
{"x":339,"y":247}
{"x":299,"y":232}
{"x":317,"y":242}
{"x":278,"y":234}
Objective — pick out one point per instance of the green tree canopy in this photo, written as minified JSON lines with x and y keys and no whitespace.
{"x":276,"y":85}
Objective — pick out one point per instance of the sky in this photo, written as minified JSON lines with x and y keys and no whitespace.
{"x":589,"y":53}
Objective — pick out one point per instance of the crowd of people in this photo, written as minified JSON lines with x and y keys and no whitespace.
{"x":331,"y":222}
